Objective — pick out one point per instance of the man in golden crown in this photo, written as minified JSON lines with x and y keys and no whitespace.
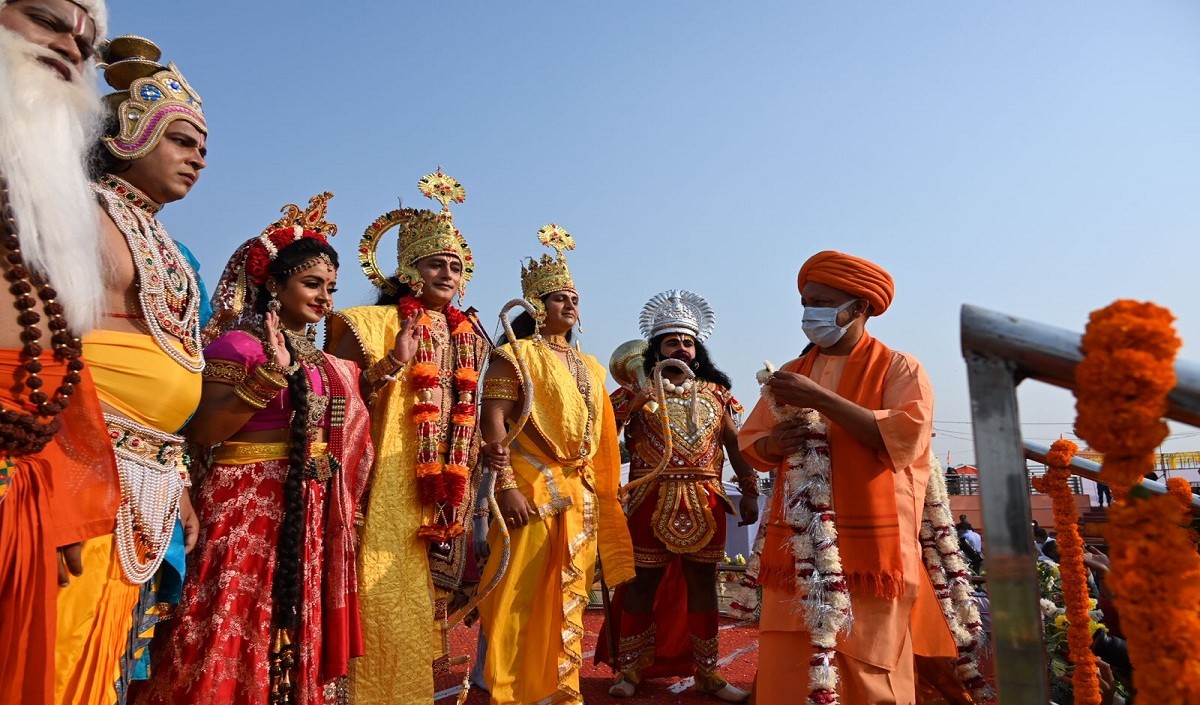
{"x":58,"y":483}
{"x":421,"y":357}
{"x":146,"y":358}
{"x":677,"y":503}
{"x":552,"y":445}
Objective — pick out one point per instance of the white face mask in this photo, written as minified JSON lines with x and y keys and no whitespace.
{"x":820,"y":324}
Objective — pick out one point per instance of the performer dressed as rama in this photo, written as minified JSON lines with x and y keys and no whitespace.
{"x":58,"y":484}
{"x":878,"y":405}
{"x":146,"y":360}
{"x":677,"y":513}
{"x":421,"y":357}
{"x":556,"y":488}
{"x":270,"y":610}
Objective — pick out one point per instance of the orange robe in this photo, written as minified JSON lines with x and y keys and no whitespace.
{"x":875,"y":659}
{"x":66,"y":494}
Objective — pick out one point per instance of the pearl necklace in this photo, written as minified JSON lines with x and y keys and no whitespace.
{"x":672,"y":388}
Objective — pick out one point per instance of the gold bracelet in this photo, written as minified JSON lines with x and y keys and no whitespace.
{"x":506,"y":388}
{"x":387,"y":366}
{"x":506,"y":480}
{"x":260,"y":387}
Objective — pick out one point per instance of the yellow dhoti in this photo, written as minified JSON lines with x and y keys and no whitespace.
{"x":137,"y":379}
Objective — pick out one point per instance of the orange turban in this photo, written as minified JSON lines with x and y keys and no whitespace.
{"x":853,"y":275}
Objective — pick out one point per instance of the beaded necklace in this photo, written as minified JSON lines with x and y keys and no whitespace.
{"x":24,"y":433}
{"x":167,"y":288}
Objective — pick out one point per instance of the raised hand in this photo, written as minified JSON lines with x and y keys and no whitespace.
{"x":405,"y":347}
{"x":275,"y":339}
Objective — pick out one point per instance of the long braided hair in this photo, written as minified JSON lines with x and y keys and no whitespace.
{"x":289,"y":561}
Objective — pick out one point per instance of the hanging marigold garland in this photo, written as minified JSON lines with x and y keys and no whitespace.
{"x":1085,"y":679}
{"x":1121,"y":397}
{"x":947,"y":569}
{"x":439,"y":484}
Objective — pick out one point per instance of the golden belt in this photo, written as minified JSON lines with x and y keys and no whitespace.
{"x":247,"y":453}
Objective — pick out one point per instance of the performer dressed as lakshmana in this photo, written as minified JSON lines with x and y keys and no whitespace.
{"x":421,"y":357}
{"x":58,"y":484}
{"x":146,"y":359}
{"x":878,"y":405}
{"x":270,"y":610}
{"x":557,"y":489}
{"x":677,"y":518}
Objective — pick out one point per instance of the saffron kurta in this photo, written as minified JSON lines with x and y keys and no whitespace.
{"x":876,"y":656}
{"x":534,"y":617}
{"x":402,"y":636}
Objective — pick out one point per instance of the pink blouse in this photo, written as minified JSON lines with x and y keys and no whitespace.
{"x":245,"y":350}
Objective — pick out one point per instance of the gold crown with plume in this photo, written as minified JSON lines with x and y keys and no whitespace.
{"x":550,"y":274}
{"x":422,"y":233}
{"x":149,"y":96}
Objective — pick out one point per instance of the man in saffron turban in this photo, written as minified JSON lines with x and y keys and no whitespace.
{"x":877,"y":404}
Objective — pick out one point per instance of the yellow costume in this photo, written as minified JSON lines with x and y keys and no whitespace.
{"x":95,"y":612}
{"x":396,"y":588}
{"x":534,"y":617}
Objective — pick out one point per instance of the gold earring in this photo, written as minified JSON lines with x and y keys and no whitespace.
{"x":273,"y":305}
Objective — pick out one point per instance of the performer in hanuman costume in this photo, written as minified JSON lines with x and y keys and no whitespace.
{"x":677,"y":515}
{"x":147,"y":362}
{"x":421,"y":358}
{"x":556,"y":488}
{"x":58,"y":484}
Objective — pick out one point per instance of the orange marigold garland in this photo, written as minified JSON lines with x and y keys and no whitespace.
{"x":1121,"y":397}
{"x":1085,"y":679}
{"x":443,"y":484}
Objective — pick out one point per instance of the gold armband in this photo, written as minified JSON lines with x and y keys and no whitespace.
{"x":506,"y":388}
{"x":261,"y":386}
{"x":384,"y":369}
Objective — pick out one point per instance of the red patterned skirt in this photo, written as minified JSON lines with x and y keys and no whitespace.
{"x":217,"y":648}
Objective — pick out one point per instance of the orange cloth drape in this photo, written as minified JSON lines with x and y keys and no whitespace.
{"x":66,"y":493}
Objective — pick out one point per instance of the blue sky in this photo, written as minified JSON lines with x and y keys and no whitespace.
{"x":1035,"y":158}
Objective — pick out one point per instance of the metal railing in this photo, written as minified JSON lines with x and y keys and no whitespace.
{"x":969,"y":484}
{"x":1001,"y":351}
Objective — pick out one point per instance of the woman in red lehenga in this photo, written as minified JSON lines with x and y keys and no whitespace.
{"x":270,"y":608}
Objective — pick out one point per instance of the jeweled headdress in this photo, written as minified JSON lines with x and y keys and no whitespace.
{"x":149,"y":96}
{"x":236,"y":294}
{"x":423,"y":233}
{"x":551,"y":274}
{"x":678,"y":311}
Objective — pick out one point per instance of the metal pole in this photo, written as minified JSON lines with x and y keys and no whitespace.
{"x":1021,"y":675}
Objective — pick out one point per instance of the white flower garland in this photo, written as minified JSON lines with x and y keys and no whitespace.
{"x":808,"y":508}
{"x":947,"y":569}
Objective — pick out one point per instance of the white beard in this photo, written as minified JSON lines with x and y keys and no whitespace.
{"x":47,"y":126}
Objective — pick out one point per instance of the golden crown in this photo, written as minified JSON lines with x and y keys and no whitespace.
{"x":550,"y":274}
{"x":149,"y":96}
{"x":423,"y":233}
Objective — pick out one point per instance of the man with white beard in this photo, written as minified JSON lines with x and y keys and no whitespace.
{"x":58,"y":482}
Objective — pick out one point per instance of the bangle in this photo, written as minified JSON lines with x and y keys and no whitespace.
{"x":383,"y":370}
{"x":506,"y":388}
{"x":506,"y":479}
{"x":261,"y":386}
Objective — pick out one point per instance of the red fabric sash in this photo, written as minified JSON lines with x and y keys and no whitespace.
{"x":350,"y":443}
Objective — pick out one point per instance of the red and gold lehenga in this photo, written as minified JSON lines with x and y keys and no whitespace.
{"x":218,"y":649}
